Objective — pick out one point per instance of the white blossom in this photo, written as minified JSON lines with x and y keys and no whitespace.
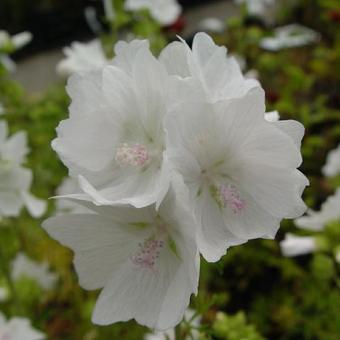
{"x":165,"y":12}
{"x":82,"y":57}
{"x":24,"y":267}
{"x":18,"y":328}
{"x":289,"y":36}
{"x":332,"y":166}
{"x":9,"y":44}
{"x":258,"y":8}
{"x":114,"y":138}
{"x":15,"y":181}
{"x":211,"y":24}
{"x":240,"y":169}
{"x":272,"y":116}
{"x":317,"y":220}
{"x":145,"y":260}
{"x":20,"y":40}
{"x":217,"y":76}
{"x":294,"y":245}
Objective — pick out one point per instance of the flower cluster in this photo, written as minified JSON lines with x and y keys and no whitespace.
{"x":18,"y":328}
{"x":15,"y":180}
{"x":174,"y":158}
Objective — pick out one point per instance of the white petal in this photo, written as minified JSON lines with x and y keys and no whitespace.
{"x":35,"y":206}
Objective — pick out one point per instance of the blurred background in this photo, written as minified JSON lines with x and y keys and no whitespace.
{"x":287,"y":288}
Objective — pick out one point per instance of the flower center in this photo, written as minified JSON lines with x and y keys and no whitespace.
{"x":228,"y":195}
{"x":135,"y":155}
{"x":149,"y":250}
{"x":148,"y":253}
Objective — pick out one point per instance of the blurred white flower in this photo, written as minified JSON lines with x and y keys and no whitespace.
{"x":109,"y":10}
{"x":22,"y":266}
{"x":9,"y":44}
{"x":211,"y":24}
{"x":317,"y":220}
{"x":240,"y":169}
{"x":145,"y":259}
{"x":114,"y":138}
{"x":69,"y":186}
{"x":82,"y":57}
{"x":170,"y":334}
{"x":217,"y":77}
{"x":165,"y":12}
{"x":257,"y":8}
{"x":18,"y":328}
{"x":21,"y":39}
{"x":289,"y":36}
{"x":294,"y":245}
{"x":332,"y":166}
{"x":272,"y":116}
{"x":15,"y":181}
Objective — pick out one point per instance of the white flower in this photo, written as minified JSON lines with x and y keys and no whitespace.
{"x":22,"y":266}
{"x":169,"y":334}
{"x":15,"y":181}
{"x":272,"y":116}
{"x":18,"y":328}
{"x":114,"y":138}
{"x":109,"y":10}
{"x":293,"y":35}
{"x":330,"y":211}
{"x":146,"y":260}
{"x":332,"y":166}
{"x":211,"y":24}
{"x":165,"y":12}
{"x":69,"y":186}
{"x":258,"y":8}
{"x":294,"y":245}
{"x":240,"y":169}
{"x":217,"y":77}
{"x":82,"y":57}
{"x":21,"y":39}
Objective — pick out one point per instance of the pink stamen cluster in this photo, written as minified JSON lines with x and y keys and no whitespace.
{"x":148,"y":253}
{"x":136,"y":155}
{"x":228,"y":195}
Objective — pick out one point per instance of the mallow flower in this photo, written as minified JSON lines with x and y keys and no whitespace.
{"x":317,"y":220}
{"x":18,"y":328}
{"x":82,"y":57}
{"x":332,"y":166}
{"x":114,"y":138}
{"x":294,"y":245}
{"x":23,"y":267}
{"x":239,"y":169}
{"x":165,"y":12}
{"x":146,"y":260}
{"x":257,"y":8}
{"x":218,"y":77}
{"x":293,"y":35}
{"x":15,"y":180}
